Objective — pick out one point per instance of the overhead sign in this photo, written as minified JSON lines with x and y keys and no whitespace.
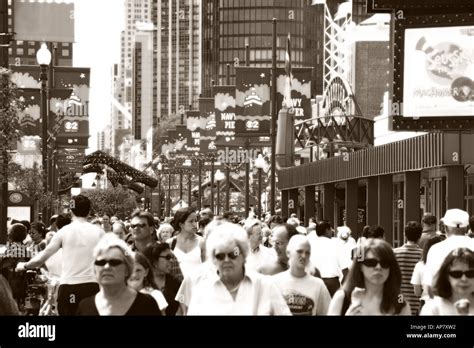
{"x":36,"y":20}
{"x":252,"y":96}
{"x":438,"y":77}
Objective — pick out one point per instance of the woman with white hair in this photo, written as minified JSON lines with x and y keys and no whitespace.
{"x":231,"y":290}
{"x":304,"y":294}
{"x":113,"y":266}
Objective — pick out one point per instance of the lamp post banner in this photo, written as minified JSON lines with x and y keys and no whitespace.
{"x":297,"y":97}
{"x":252,"y":97}
{"x":207,"y":124}
{"x":224,"y":109}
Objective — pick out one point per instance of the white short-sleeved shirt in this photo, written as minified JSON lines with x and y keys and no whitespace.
{"x":328,"y":257}
{"x":77,"y":240}
{"x":438,"y":253}
{"x":304,"y":296}
{"x":261,"y":257}
{"x":257,"y":295}
{"x":158,"y":296}
{"x":417,"y":278}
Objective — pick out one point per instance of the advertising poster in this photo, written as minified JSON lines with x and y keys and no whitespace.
{"x":439,"y":72}
{"x":253,"y":104}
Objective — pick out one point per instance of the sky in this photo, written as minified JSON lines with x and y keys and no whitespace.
{"x":98,"y":25}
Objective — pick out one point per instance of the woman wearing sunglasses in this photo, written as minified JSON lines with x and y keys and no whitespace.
{"x":373,"y":284}
{"x":113,"y":266}
{"x":160,"y":257}
{"x":454,"y":286}
{"x":229,"y":289}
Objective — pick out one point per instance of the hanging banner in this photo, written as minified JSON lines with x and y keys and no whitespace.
{"x":193,"y":141}
{"x":252,"y":96}
{"x":36,"y":20}
{"x":298,"y":97}
{"x":207,"y":125}
{"x":438,"y":78}
{"x":224,"y":108}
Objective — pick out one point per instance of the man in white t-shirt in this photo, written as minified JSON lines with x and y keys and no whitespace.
{"x":456,"y":222}
{"x":77,"y":241}
{"x":328,"y":257}
{"x":303,"y":293}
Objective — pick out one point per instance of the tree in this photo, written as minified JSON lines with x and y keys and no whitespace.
{"x":10,"y":106}
{"x":113,"y":201}
{"x":161,"y":131}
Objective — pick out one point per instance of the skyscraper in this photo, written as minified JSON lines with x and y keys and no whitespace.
{"x":228,"y":25}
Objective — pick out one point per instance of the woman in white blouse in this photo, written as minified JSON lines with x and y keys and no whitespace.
{"x":231,"y":290}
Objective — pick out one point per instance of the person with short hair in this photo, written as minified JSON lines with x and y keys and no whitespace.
{"x":258,"y":254}
{"x":408,"y":256}
{"x":454,"y":285}
{"x":165,"y":232}
{"x":231,"y":289}
{"x":38,"y":234}
{"x":428,"y":223}
{"x":328,"y":256}
{"x":281,"y":236}
{"x":77,"y":241}
{"x":374,"y":231}
{"x":118,"y":227}
{"x":303,"y":293}
{"x":206,"y":213}
{"x":113,"y":266}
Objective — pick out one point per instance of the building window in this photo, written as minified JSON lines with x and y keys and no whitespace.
{"x":65,"y":53}
{"x":19,"y":51}
{"x":31,"y":52}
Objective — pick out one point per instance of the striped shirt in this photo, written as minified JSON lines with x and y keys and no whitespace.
{"x":407,"y":257}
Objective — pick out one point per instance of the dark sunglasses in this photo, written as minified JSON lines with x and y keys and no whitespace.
{"x":373,"y":262}
{"x":232,"y":255}
{"x":111,"y":262}
{"x":167,"y":257}
{"x":138,"y":225}
{"x":459,"y":274}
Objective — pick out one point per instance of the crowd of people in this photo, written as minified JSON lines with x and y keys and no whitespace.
{"x":196,"y":263}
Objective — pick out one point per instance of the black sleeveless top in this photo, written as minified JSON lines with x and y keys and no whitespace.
{"x":144,"y":304}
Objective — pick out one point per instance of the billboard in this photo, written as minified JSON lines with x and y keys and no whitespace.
{"x":438,"y":78}
{"x":252,"y":101}
{"x":36,"y":20}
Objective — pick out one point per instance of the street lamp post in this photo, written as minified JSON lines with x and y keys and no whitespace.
{"x":219,"y":177}
{"x":43,"y":56}
{"x":159,"y":168}
{"x":260,"y":164}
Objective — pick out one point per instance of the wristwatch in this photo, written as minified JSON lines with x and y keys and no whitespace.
{"x":24,"y":266}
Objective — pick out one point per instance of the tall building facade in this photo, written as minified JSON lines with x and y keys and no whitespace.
{"x":228,"y":25}
{"x":178,"y":62}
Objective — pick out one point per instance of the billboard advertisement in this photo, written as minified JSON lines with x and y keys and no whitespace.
{"x":252,"y":101}
{"x":438,"y":77}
